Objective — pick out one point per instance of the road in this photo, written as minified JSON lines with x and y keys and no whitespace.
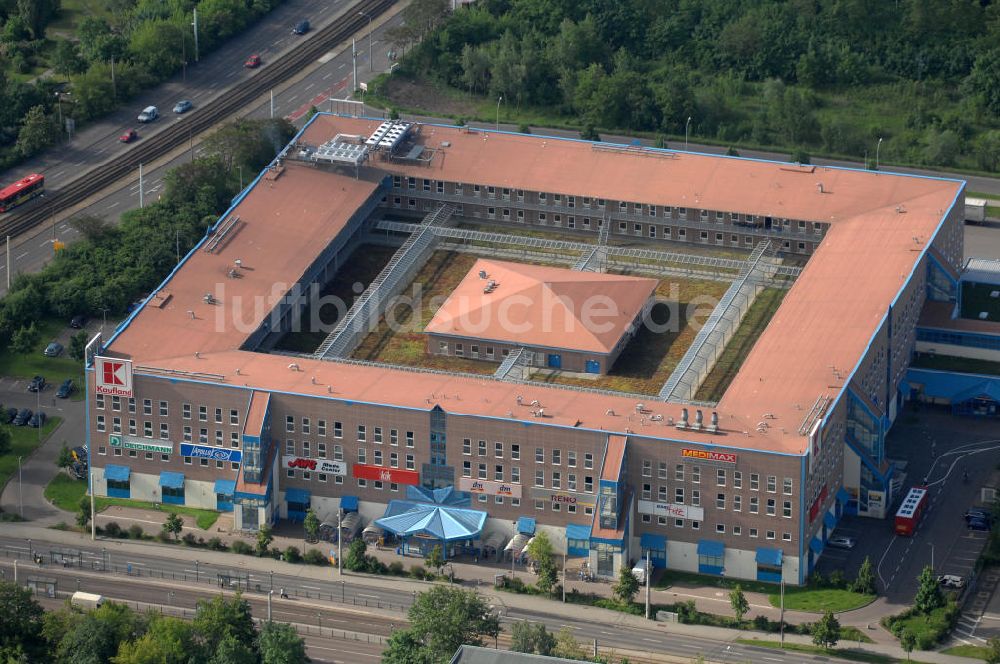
{"x":350,"y":610}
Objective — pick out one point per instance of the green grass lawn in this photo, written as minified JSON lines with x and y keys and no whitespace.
{"x":976,"y":652}
{"x":23,"y":441}
{"x":671,"y":578}
{"x":818,"y":600}
{"x":851,"y":655}
{"x":65,"y":493}
{"x":54,"y":369}
{"x":926,"y":628}
{"x":979,"y":194}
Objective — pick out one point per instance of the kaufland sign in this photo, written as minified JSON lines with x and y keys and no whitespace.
{"x":114,"y":376}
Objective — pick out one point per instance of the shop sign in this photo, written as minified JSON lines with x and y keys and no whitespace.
{"x":564,"y":497}
{"x":876,"y":500}
{"x":703,"y":455}
{"x":206,"y":452}
{"x":113,"y":376}
{"x":140,"y":444}
{"x":817,"y":503}
{"x":316,"y":465}
{"x":380,"y":474}
{"x":672,"y":510}
{"x":490,"y":488}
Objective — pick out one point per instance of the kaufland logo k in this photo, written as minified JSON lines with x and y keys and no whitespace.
{"x":114,"y":373}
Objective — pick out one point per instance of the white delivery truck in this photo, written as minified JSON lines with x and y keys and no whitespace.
{"x":88,"y":601}
{"x":975,"y":210}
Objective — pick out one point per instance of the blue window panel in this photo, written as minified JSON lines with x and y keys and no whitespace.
{"x":555,"y":361}
{"x":593,"y":366}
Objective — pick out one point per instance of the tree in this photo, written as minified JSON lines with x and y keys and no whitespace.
{"x":405,"y":647}
{"x":929,"y":595}
{"x":218,"y":620}
{"x":90,"y":226}
{"x":826,"y":631}
{"x":99,"y":635}
{"x":739,"y":602}
{"x":37,"y":132}
{"x":356,"y":559}
{"x":435,"y":559}
{"x":542,"y":554}
{"x":445,"y":617}
{"x":988,"y":150}
{"x":907,"y":641}
{"x":167,"y":641}
{"x":311,"y":525}
{"x":993,"y":650}
{"x":865,"y":581}
{"x":66,"y":59}
{"x":78,"y":345}
{"x":233,"y":651}
{"x":264,"y":539}
{"x":531,"y":638}
{"x":20,"y":620}
{"x":25,"y":339}
{"x":589,"y":133}
{"x":627,"y":586}
{"x":173,"y":525}
{"x":4,"y":440}
{"x":567,"y":646}
{"x":37,"y":14}
{"x":281,"y":644}
{"x":65,"y":458}
{"x":983,"y":82}
{"x":83,"y":512}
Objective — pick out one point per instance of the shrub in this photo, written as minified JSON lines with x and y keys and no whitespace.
{"x":135,"y":532}
{"x":215,"y":544}
{"x":164,"y":537}
{"x":396,"y":568}
{"x":315,"y":557}
{"x":241,"y":547}
{"x":189,"y":539}
{"x":836,"y":579}
{"x":761,"y":623}
{"x":376,"y":566}
{"x":418,"y":572}
{"x":292,"y":555}
{"x":112,"y":529}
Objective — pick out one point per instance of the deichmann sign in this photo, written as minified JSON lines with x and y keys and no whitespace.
{"x":380,"y":474}
{"x":317,"y":465}
{"x":564,"y":498}
{"x":113,"y":376}
{"x":140,"y":444}
{"x":206,"y":452}
{"x":702,"y":455}
{"x":489,"y":488}
{"x":671,"y":510}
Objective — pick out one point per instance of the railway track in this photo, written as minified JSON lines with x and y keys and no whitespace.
{"x":105,"y":174}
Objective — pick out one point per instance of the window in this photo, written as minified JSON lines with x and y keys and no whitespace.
{"x":786,"y":509}
{"x":131,"y":427}
{"x":754,"y":505}
{"x":378,"y":435}
{"x":305,"y":448}
{"x":588,"y":460}
{"x":539,"y":477}
{"x":770,"y":534}
{"x":695,"y":525}
{"x":410,"y":462}
{"x":321,"y":427}
{"x":753,"y":532}
{"x":116,"y":425}
{"x":409,"y":439}
{"x":234,"y":438}
{"x":696,"y":497}
{"x":770,"y":507}
{"x":662,"y":494}
{"x":515,"y":451}
{"x":290,"y":424}
{"x":754,"y":482}
{"x":515,"y":474}
{"x":737,"y":479}
{"x":203,"y":413}
{"x":187,"y":434}
{"x":571,"y":482}
{"x":662,"y":470}
{"x":362,"y":455}
{"x":482,"y":448}
{"x":338,"y":430}
{"x":571,"y":458}
{"x":234,"y":416}
{"x":737,"y":530}
{"x":556,"y":457}
{"x":498,"y":450}
{"x":99,"y":401}
{"x":362,"y":433}
{"x":466,"y":469}
{"x":772,"y":484}
{"x":116,"y":403}
{"x":218,"y":437}
{"x":539,"y":504}
{"x":720,"y":477}
{"x":737,"y":503}
{"x":786,"y":537}
{"x":647,"y":468}
{"x":720,"y":528}
{"x":164,"y":431}
{"x":290,"y":447}
{"x":787,"y":486}
{"x":100,"y":423}
{"x":467,"y":446}
{"x":394,"y":437}
{"x":306,"y":425}
{"x":202,"y":435}
{"x":147,"y":429}
{"x":679,"y":495}
{"x":498,"y":472}
{"x":321,"y":450}
{"x":588,"y":484}
{"x":696,"y":474}
{"x":720,"y":501}
{"x":186,"y":408}
{"x":147,"y":407}
{"x":539,"y":455}
{"x":338,"y":453}
{"x":647,"y":491}
{"x":679,"y":472}
{"x":377,"y":456}
{"x":218,"y":416}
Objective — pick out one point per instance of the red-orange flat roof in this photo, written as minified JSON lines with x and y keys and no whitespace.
{"x":879,"y":225}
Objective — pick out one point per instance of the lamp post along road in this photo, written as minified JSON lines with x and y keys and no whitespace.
{"x":647,"y":584}
{"x":340,"y":543}
{"x":687,"y":127}
{"x":878,"y":147}
{"x":498,"y":112}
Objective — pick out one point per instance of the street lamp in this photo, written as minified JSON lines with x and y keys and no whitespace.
{"x":877,"y":147}
{"x":371,"y":63}
{"x":931,"y":544}
{"x":196,"y":572}
{"x":269,"y":594}
{"x":687,"y":127}
{"x":20,"y":502}
{"x":498,"y":112}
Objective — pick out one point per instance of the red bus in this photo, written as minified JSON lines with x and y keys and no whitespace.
{"x":909,"y":513}
{"x":23,"y":190}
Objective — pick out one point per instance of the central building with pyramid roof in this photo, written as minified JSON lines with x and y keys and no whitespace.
{"x":562,"y":319}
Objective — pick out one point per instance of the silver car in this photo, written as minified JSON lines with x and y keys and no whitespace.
{"x":842,"y":542}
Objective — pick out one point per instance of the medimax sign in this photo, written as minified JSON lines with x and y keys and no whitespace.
{"x":705,"y":455}
{"x":489,"y":487}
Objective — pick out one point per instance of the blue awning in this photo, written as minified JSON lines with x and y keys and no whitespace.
{"x":172,"y":480}
{"x":225,"y":487}
{"x":526,"y":525}
{"x":577,"y":532}
{"x":117,"y":473}
{"x":300,"y":496}
{"x":349,"y":503}
{"x":829,"y":520}
{"x":406,"y":518}
{"x":711,"y":548}
{"x":653,"y":541}
{"x":842,"y":496}
{"x":816,"y":545}
{"x":770,"y":557}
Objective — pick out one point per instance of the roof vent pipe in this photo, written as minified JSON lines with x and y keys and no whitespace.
{"x":684,"y":417}
{"x":715,"y":419}
{"x":699,"y":418}
{"x":819,"y":187}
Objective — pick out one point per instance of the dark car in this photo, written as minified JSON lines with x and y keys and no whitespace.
{"x":65,"y":389}
{"x":54,"y":349}
{"x":11,"y":414}
{"x":978,"y":524}
{"x":37,"y":420}
{"x":37,"y":384}
{"x":183,"y":106}
{"x":301,"y":28}
{"x":23,"y":416}
{"x":78,"y":322}
{"x":79,"y":453}
{"x":252,"y":62}
{"x":977,"y":513}
{"x":79,"y":471}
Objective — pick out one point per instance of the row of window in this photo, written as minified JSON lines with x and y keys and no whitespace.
{"x":721,"y":477}
{"x":164,"y":409}
{"x":721,"y":500}
{"x":720,"y":528}
{"x":164,"y":433}
{"x":377,"y":433}
{"x":150,"y":456}
{"x":482,"y":450}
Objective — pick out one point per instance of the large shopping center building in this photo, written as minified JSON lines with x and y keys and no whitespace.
{"x":189,"y":403}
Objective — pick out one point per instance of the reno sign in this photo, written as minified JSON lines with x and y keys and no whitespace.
{"x":113,"y":376}
{"x":702,"y":455}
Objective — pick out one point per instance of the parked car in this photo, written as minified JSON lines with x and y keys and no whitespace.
{"x":79,"y":453}
{"x":37,"y":420}
{"x":78,"y":322}
{"x":54,"y":349}
{"x":978,"y":524}
{"x":149,"y":114}
{"x":252,"y":62}
{"x":129,"y":136}
{"x":23,"y":416}
{"x":37,"y":384}
{"x":183,"y":106}
{"x":951,"y":581}
{"x":65,"y":389}
{"x":301,"y":28}
{"x":10,"y":414}
{"x":842,"y":542}
{"x":79,"y":471}
{"x":977,"y":513}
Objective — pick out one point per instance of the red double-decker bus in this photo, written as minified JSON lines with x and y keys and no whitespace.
{"x":23,"y":190}
{"x":909,"y":512}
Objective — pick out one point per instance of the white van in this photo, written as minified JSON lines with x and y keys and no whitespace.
{"x":149,"y":114}
{"x":87,"y":601}
{"x":639,"y":571}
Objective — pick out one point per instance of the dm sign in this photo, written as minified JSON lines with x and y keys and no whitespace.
{"x":206,"y":452}
{"x":140,"y":444}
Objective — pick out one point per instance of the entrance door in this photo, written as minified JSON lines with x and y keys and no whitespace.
{"x":251,"y":518}
{"x":605,"y":561}
{"x":593,"y":366}
{"x":555,"y":361}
